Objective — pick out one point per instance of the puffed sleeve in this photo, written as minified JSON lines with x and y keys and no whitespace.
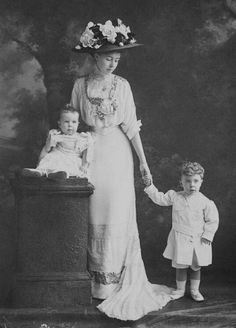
{"x":159,"y":197}
{"x":75,"y":95}
{"x":211,"y":217}
{"x":130,"y":125}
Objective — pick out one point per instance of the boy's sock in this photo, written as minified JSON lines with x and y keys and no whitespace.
{"x":180,"y":291}
{"x":194,"y":284}
{"x":181,"y":285}
{"x":194,"y":290}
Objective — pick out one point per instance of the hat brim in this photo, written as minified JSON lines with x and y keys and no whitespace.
{"x":107,"y":48}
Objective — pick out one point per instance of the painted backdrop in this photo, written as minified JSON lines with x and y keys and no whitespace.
{"x":183,"y":80}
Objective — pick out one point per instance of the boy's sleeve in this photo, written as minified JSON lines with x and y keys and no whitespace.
{"x":159,"y":197}
{"x":211,"y":221}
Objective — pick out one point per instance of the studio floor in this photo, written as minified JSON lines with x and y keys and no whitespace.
{"x":218,"y":310}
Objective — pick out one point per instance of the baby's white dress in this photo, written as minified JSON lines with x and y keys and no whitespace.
{"x":66,"y":154}
{"x":114,"y":254}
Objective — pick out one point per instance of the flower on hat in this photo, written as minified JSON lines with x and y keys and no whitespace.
{"x":112,"y":32}
{"x":108,"y":31}
{"x":87,"y":37}
{"x":121,"y":28}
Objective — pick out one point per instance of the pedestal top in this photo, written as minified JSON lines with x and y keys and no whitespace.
{"x":31,"y":185}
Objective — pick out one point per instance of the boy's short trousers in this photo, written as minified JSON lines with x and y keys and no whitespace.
{"x":194,"y":266}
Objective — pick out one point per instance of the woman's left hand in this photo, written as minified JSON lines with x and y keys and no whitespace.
{"x":146,"y":174}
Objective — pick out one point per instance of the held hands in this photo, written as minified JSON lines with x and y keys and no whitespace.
{"x":146,"y":174}
{"x":205,"y":241}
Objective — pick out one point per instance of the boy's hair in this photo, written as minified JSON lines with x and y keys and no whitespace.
{"x":191,"y":168}
{"x":67,"y":109}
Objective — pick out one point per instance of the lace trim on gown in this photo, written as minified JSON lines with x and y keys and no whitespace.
{"x":106,"y":278}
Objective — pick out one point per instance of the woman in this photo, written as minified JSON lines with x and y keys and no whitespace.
{"x":106,"y":104}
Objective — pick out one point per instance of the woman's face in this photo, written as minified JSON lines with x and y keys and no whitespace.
{"x":107,"y":62}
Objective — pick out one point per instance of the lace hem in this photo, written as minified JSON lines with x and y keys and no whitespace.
{"x":106,"y":278}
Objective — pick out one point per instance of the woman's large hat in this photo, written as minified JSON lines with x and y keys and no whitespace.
{"x":111,"y":36}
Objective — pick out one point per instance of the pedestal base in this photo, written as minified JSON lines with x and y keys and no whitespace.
{"x":52,"y":290}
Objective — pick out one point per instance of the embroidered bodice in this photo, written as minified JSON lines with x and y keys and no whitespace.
{"x":101,"y":95}
{"x":105,"y":104}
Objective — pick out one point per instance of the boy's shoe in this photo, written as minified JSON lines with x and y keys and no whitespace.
{"x":196,"y":295}
{"x":34,"y":173}
{"x":176,"y":294}
{"x":60,"y":175}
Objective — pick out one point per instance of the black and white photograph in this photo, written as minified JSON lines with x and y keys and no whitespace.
{"x":117,"y":164}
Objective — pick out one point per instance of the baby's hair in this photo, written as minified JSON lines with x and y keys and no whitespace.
{"x":67,"y":109}
{"x":191,"y":168}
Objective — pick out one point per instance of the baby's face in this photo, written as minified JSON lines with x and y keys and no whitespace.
{"x":191,"y":183}
{"x":69,"y":122}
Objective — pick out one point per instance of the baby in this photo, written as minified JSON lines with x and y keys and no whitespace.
{"x":66,"y":152}
{"x":195,"y":220}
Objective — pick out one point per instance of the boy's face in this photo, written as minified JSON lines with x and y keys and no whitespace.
{"x":191,"y":183}
{"x":69,"y":122}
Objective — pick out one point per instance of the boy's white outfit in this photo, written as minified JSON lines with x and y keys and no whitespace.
{"x":193,"y":216}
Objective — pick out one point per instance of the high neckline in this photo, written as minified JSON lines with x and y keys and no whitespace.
{"x":99,"y":77}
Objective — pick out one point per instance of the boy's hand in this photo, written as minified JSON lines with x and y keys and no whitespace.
{"x":146,"y":174}
{"x":205,"y":241}
{"x":147,"y":180}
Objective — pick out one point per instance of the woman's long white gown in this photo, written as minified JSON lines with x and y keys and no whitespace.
{"x":114,"y":254}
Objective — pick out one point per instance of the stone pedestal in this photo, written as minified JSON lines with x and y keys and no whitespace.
{"x":52,"y":218}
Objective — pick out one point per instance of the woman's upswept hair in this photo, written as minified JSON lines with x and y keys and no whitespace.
{"x":191,"y":168}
